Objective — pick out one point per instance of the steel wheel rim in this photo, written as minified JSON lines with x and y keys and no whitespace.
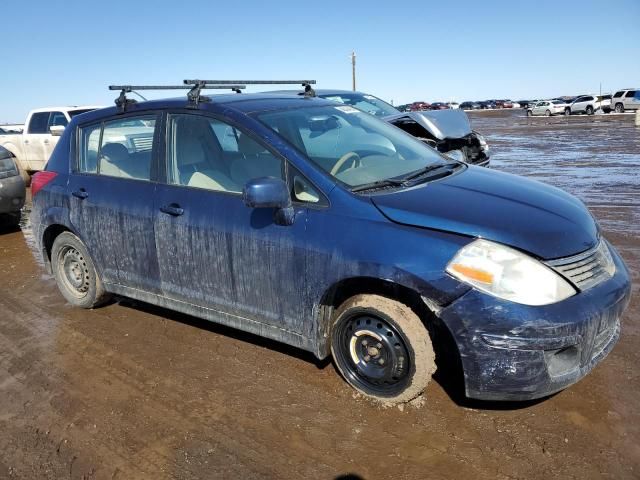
{"x":74,"y":271}
{"x":373,"y":355}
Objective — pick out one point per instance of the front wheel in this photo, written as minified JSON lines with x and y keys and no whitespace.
{"x":567,"y":111}
{"x":382,"y":348}
{"x":547,"y":113}
{"x":619,"y":108}
{"x":589,"y":110}
{"x":75,"y":272}
{"x":529,"y":113}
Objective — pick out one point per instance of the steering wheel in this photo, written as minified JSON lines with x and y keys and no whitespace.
{"x":344,"y":159}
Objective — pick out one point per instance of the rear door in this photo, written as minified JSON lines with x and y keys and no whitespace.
{"x":213,"y":250}
{"x":632,"y":99}
{"x":112,"y":190}
{"x":34,"y":146}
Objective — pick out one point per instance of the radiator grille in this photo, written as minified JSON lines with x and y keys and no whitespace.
{"x":586,"y":269}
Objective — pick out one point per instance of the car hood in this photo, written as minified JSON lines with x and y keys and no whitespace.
{"x":525,"y":214}
{"x":442,"y":124}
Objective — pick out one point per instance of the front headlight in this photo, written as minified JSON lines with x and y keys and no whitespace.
{"x":508,"y":274}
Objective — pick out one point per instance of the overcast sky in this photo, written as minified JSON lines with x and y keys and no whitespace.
{"x":67,"y":52}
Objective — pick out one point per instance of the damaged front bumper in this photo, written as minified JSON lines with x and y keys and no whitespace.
{"x":511,"y":351}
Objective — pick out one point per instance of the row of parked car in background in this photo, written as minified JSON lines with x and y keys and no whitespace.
{"x":621,"y":101}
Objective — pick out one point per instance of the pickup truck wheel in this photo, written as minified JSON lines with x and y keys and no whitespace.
{"x":547,"y":113}
{"x":619,"y":108}
{"x":382,"y":348}
{"x":75,"y":272}
{"x":589,"y":110}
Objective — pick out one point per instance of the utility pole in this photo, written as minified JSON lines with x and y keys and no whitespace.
{"x":353,"y":70}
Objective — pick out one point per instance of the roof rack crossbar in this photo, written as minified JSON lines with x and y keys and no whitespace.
{"x":130,"y":88}
{"x":308,"y":90}
{"x":251,"y":82}
{"x":194,"y":91}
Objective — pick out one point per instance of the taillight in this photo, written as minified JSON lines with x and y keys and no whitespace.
{"x":40,"y":179}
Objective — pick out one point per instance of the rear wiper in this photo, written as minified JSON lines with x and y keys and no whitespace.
{"x":389,"y":182}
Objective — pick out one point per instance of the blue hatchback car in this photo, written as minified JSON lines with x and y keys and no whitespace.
{"x":323,"y":227}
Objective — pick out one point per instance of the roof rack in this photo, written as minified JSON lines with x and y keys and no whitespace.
{"x":193,"y":95}
{"x":308,"y":90}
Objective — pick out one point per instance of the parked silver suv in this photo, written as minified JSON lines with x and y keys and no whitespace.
{"x":626,"y":99}
{"x":589,"y":104}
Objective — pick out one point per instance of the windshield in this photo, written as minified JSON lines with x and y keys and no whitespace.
{"x":366,"y":103}
{"x":352,"y":146}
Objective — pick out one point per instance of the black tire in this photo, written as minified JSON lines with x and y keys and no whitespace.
{"x":547,"y":113}
{"x":619,"y":108}
{"x":382,"y":348}
{"x":529,"y":113}
{"x":567,"y":111}
{"x":589,"y":110}
{"x":75,"y":272}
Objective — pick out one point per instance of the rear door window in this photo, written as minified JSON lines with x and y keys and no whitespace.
{"x":119,"y":148}
{"x":39,"y":122}
{"x":630,"y":94}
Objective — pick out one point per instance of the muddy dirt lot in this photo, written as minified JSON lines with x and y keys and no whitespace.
{"x":133,"y":391}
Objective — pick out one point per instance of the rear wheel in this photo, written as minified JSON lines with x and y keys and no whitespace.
{"x":567,"y":111}
{"x":529,"y":113}
{"x":619,"y":108}
{"x":75,"y":272}
{"x":547,"y":113}
{"x":382,"y":349}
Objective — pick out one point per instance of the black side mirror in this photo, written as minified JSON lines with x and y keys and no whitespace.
{"x":270,"y":192}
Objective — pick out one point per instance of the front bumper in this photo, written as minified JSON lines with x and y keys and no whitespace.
{"x":511,"y":351}
{"x":12,"y":194}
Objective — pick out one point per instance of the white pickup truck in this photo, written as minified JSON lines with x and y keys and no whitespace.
{"x":32,"y":148}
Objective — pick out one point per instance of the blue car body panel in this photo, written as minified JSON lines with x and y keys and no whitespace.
{"x":528,"y":215}
{"x":225,"y":262}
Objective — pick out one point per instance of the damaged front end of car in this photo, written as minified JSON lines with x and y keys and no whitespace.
{"x":448,"y":131}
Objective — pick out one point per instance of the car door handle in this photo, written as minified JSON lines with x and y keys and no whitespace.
{"x":81,"y":194}
{"x":26,"y":141}
{"x":46,"y":142}
{"x":172,"y":209}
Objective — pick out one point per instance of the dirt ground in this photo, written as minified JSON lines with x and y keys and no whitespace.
{"x":133,"y":391}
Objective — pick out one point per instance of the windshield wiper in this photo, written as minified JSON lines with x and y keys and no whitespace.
{"x":404,"y":181}
{"x":425,"y":170}
{"x":389,"y":182}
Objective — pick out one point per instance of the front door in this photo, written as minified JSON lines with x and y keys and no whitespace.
{"x":215,"y":252}
{"x":112,"y":192}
